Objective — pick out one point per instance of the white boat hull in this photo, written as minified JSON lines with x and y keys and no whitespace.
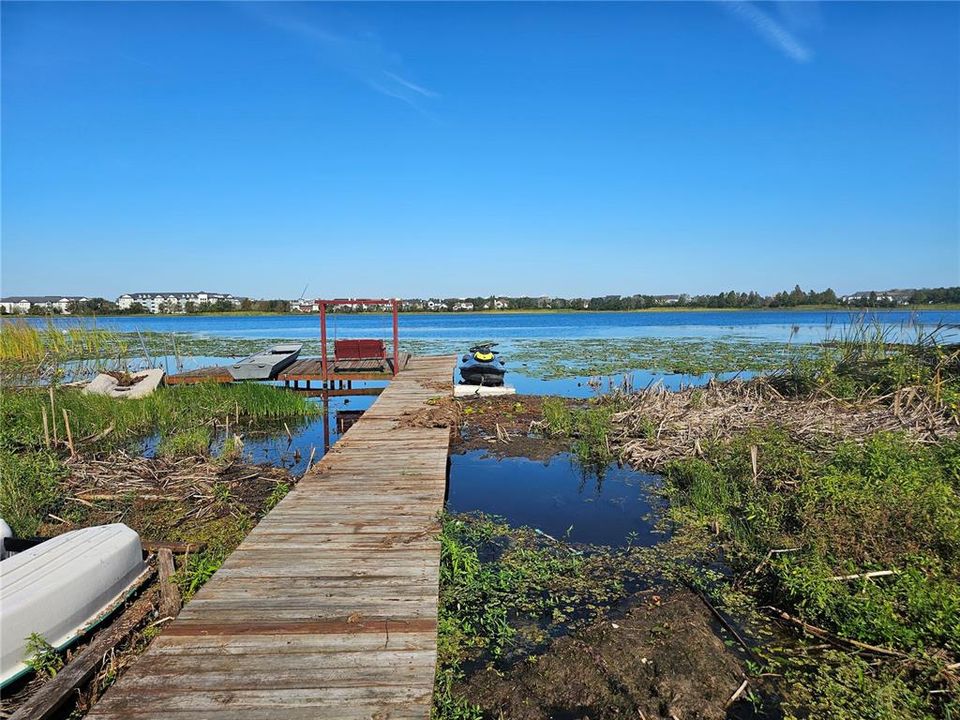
{"x":63,"y":587}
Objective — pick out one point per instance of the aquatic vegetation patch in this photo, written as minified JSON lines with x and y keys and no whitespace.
{"x":859,"y":540}
{"x":544,"y":358}
{"x":507,"y":592}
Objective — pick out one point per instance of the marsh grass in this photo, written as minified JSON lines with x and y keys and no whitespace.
{"x":195,"y":441}
{"x":589,"y":427}
{"x":183,"y":416}
{"x":861,"y":360}
{"x":31,"y":354}
{"x":169,"y":411}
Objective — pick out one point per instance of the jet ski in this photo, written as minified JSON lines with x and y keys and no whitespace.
{"x":481,"y":366}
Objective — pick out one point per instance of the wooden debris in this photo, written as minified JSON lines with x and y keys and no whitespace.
{"x":874,"y":574}
{"x":686,"y":419}
{"x":739,"y":691}
{"x":66,"y":423}
{"x":58,"y":690}
{"x":169,"y":592}
{"x":835,"y":639}
{"x":177,"y":548}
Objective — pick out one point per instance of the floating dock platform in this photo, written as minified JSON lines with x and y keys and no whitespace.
{"x":307,"y":370}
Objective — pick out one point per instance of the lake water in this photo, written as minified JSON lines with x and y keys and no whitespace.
{"x":454,"y":330}
{"x":558,"y":497}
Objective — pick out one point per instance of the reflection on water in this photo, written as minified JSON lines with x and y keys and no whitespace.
{"x":558,"y":497}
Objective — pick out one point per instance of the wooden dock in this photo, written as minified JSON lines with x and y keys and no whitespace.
{"x":328,"y":609}
{"x":304,"y":370}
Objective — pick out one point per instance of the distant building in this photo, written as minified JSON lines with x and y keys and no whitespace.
{"x":666,"y":299}
{"x":32,"y":303}
{"x":463,"y":306}
{"x":305,"y":306}
{"x":174,"y":302}
{"x":897,"y":297}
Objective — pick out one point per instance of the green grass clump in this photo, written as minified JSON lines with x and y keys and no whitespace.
{"x":29,"y":488}
{"x":42,"y":657}
{"x":888,"y":504}
{"x":588,"y":427}
{"x":278,"y":494}
{"x":195,"y":441}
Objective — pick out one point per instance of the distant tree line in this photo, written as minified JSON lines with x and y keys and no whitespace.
{"x":732,"y":299}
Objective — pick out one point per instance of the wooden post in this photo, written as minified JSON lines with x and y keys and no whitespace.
{"x":169,"y":592}
{"x":396,"y":337}
{"x":323,"y":341}
{"x":53,"y":416}
{"x":46,"y":427}
{"x":66,"y":422}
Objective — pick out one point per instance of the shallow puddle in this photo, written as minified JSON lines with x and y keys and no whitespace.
{"x":559,"y":497}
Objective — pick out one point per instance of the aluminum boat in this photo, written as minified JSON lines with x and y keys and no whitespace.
{"x":266,"y":364}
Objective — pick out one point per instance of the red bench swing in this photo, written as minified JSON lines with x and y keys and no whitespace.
{"x":357,"y":350}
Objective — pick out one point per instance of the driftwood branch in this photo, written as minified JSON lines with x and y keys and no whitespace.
{"x":836,"y":639}
{"x":874,"y":574}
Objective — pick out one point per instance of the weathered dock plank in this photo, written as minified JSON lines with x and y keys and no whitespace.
{"x":328,"y":609}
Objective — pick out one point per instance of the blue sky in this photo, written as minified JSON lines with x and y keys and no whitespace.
{"x":448,"y":149}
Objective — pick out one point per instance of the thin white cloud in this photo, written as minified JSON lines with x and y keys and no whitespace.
{"x":769,"y":29}
{"x":411,"y":86}
{"x":360,"y":55}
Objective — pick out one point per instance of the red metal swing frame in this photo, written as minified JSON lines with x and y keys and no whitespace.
{"x":354,"y":349}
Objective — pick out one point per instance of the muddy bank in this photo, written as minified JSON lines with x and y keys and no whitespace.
{"x":663,"y":658}
{"x":502,"y":426}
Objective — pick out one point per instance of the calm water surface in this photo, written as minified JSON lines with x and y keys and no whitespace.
{"x":558,"y":497}
{"x":460,"y":328}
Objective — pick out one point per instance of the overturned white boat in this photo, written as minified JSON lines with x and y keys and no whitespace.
{"x":266,"y":364}
{"x":63,"y":587}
